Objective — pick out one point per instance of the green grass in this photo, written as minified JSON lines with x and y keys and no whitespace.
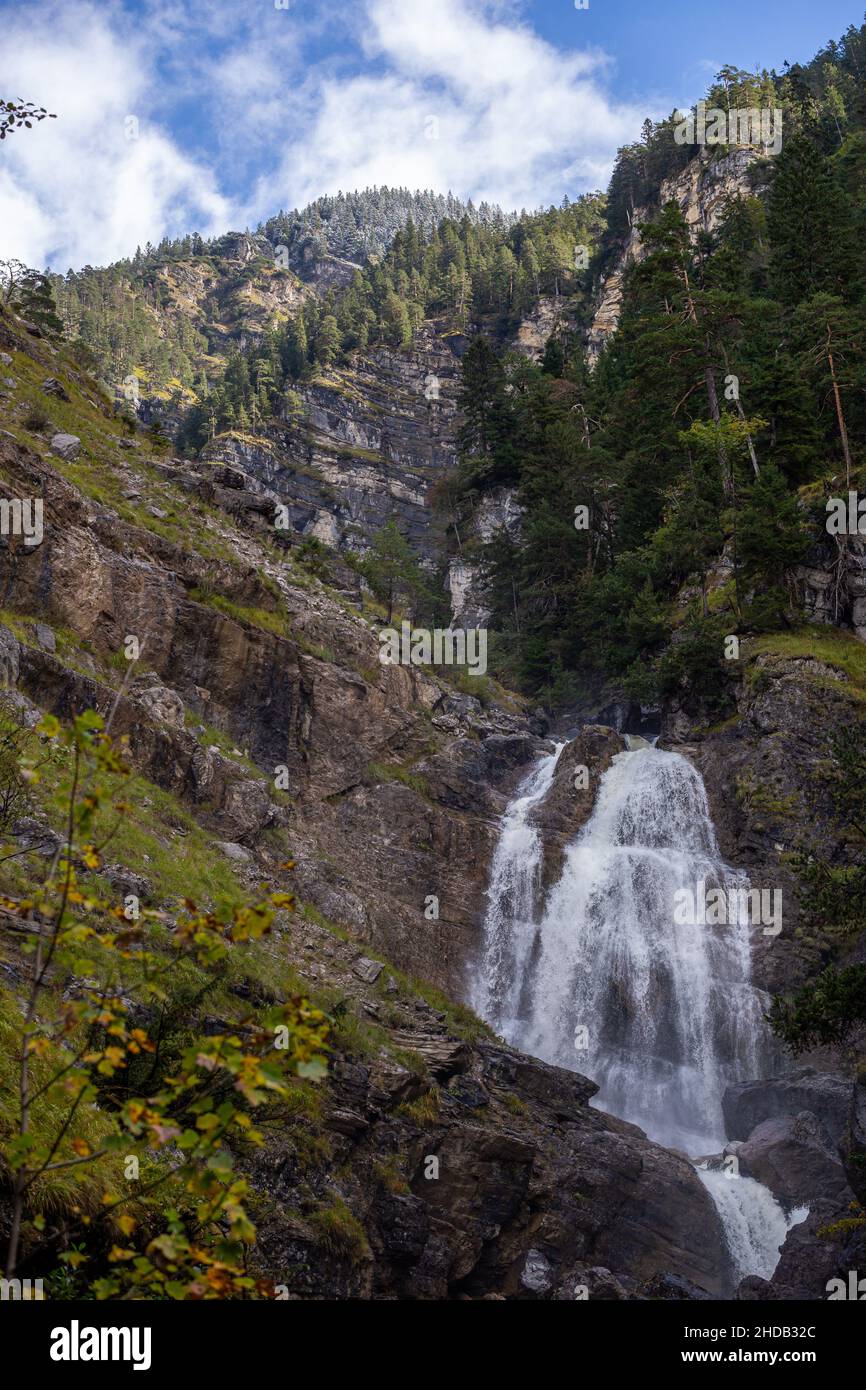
{"x":99,"y":470}
{"x":176,"y":865}
{"x":209,"y":736}
{"x":312,"y":914}
{"x":828,"y":645}
{"x":390,"y":1175}
{"x":274,"y":622}
{"x":515,"y":1104}
{"x":394,"y":772}
{"x":423,"y":1111}
{"x":460,"y":1021}
{"x":339,"y":1232}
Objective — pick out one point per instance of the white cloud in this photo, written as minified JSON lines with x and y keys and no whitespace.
{"x":79,"y":188}
{"x":243,"y":110}
{"x":519,"y":121}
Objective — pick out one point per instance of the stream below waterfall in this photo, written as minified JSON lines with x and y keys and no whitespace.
{"x":599,"y":978}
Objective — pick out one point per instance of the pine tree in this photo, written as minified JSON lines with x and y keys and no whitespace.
{"x":811,"y":230}
{"x":391,"y":570}
{"x":327,"y":343}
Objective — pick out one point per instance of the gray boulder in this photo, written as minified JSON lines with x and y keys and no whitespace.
{"x":237,"y":853}
{"x":66,"y":446}
{"x":163,"y":705}
{"x":795,"y":1158}
{"x":537,"y":1274}
{"x":247,"y":808}
{"x":825,"y":1094}
{"x":45,"y":637}
{"x":52,"y":387}
{"x":368,"y":970}
{"x":31,"y":833}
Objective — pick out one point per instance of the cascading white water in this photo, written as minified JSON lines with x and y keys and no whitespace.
{"x":604,"y":981}
{"x":669,"y":1013}
{"x":754,"y":1223}
{"x":511,"y":902}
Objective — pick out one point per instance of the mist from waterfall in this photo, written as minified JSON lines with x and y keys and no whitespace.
{"x":601,"y":979}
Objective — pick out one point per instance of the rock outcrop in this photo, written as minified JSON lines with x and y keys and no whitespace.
{"x":701,"y":190}
{"x":359,"y":447}
{"x":479,"y":1173}
{"x":794,"y":1157}
{"x":825,"y":1095}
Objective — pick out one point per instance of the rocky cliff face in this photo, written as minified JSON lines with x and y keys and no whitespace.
{"x":701,"y":191}
{"x":364,"y":445}
{"x":232,"y":296}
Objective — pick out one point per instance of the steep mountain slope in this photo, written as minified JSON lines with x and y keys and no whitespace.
{"x":236,"y":636}
{"x":241,"y":660}
{"x":702,"y":190}
{"x":396,"y":780}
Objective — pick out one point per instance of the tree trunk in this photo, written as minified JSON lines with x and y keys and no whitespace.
{"x":840,"y":414}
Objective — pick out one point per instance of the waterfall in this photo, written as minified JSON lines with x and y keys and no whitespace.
{"x":603,"y":980}
{"x":511,"y":902}
{"x":754,"y":1223}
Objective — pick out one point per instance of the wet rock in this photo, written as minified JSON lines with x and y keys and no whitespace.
{"x":569,"y":802}
{"x":826,"y":1094}
{"x":794,"y":1157}
{"x":813,"y":1255}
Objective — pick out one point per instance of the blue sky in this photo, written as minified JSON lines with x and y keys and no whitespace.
{"x":182,"y":115}
{"x":672,"y":47}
